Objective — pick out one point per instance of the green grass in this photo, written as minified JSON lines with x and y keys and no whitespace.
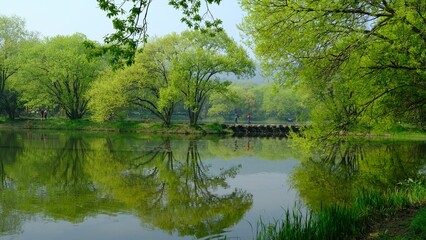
{"x":113,"y":126}
{"x":405,"y":131}
{"x":418,"y":225}
{"x":347,"y":221}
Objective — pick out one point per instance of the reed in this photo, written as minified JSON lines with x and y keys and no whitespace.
{"x":343,"y":221}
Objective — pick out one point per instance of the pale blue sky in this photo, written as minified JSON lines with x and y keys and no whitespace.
{"x":65,"y":17}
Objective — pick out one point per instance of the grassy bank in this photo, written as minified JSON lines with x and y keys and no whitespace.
{"x":355,"y":220}
{"x":115,"y":126}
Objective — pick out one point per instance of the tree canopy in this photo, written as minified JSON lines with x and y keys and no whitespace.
{"x":359,"y":61}
{"x":186,"y":67}
{"x":139,"y":84}
{"x":201,"y":68}
{"x":13,"y":36}
{"x":129,"y":18}
{"x":60,"y":70}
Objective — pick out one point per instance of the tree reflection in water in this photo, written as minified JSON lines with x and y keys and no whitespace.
{"x":335,"y":171}
{"x":72,"y":177}
{"x":11,"y":149}
{"x":180,"y":193}
{"x":69,"y":169}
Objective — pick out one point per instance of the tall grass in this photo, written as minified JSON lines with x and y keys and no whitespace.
{"x":342,"y":221}
{"x":335,"y":222}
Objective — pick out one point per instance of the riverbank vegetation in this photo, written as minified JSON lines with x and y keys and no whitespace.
{"x":351,"y":188}
{"x":355,"y":220}
{"x":124,"y":126}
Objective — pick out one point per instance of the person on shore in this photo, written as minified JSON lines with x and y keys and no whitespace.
{"x":236,"y":118}
{"x":249,"y":118}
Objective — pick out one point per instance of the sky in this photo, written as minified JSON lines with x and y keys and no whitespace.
{"x":66,"y":17}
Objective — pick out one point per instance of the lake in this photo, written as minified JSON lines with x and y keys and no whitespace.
{"x":70,"y":185}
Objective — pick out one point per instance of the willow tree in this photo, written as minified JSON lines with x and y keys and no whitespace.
{"x":360,"y":61}
{"x":204,"y":61}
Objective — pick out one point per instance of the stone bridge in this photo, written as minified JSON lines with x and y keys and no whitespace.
{"x":262,"y":129}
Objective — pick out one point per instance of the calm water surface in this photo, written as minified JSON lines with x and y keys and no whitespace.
{"x":122,"y":186}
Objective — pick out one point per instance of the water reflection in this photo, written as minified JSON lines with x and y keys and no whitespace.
{"x":181,"y":188}
{"x":12,"y":147}
{"x":335,"y":171}
{"x":69,"y":178}
{"x":178,"y":194}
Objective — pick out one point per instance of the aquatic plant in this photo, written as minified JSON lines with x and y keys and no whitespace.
{"x":345,"y":220}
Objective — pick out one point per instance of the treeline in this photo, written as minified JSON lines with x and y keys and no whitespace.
{"x":188,"y":75}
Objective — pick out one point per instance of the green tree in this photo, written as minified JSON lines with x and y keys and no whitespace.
{"x":129,"y":18}
{"x":61,"y":69}
{"x":223,"y":106}
{"x":9,"y":102}
{"x":242,"y":98}
{"x":108,"y":94}
{"x":178,"y":67}
{"x":283,"y":104}
{"x":358,"y":61}
{"x":140,"y":84}
{"x":202,"y":62}
{"x":13,"y":36}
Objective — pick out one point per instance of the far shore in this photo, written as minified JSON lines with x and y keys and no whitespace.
{"x":155,"y":127}
{"x":125,"y":126}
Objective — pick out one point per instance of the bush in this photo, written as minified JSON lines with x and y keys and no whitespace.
{"x":418,"y":225}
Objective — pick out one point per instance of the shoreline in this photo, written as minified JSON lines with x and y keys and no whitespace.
{"x":127,"y":126}
{"x":152,"y":127}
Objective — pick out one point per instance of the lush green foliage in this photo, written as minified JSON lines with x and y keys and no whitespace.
{"x":265,"y":103}
{"x":60,"y":71}
{"x":197,"y":70}
{"x":283,"y":104}
{"x":344,"y":221}
{"x":178,"y":73}
{"x":175,"y":68}
{"x":344,"y":183}
{"x":418,"y":225}
{"x":361,"y":63}
{"x":129,"y":18}
{"x":13,"y":38}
